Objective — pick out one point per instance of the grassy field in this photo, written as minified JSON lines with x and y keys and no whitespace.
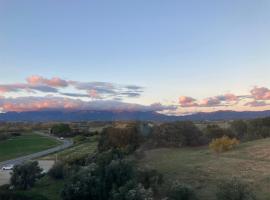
{"x":24,"y":145}
{"x":84,"y":148}
{"x":204,"y":170}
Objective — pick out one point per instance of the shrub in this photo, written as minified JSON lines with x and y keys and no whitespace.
{"x":223,"y":144}
{"x":132,"y":191}
{"x":25,"y":175}
{"x":96,"y":182}
{"x":235,"y":190}
{"x":150,"y":178}
{"x":57,"y":171}
{"x":180,"y":191}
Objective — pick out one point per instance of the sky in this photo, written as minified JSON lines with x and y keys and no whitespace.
{"x":176,"y":56}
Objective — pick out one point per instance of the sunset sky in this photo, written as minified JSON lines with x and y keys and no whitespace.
{"x":175,"y":56}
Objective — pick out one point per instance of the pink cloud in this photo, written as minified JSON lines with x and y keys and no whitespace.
{"x":185,"y":101}
{"x":21,"y":104}
{"x":210,"y":102}
{"x":257,"y":103}
{"x":53,"y":82}
{"x":260,"y":93}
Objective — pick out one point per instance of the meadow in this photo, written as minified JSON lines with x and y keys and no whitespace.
{"x":204,"y":170}
{"x":25,"y":144}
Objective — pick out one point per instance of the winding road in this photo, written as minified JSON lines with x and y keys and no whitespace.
{"x":66,"y":143}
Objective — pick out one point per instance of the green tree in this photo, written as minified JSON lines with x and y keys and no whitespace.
{"x":25,"y":175}
{"x":61,"y":130}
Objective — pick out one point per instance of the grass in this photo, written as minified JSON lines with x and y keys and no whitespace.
{"x":86,"y":147}
{"x":51,"y":188}
{"x":204,"y":170}
{"x":25,"y":144}
{"x":48,"y":188}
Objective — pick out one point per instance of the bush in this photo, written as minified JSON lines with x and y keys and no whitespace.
{"x":96,"y":182}
{"x":25,"y":175}
{"x":180,"y":191}
{"x":132,"y":191}
{"x":223,"y":144}
{"x":235,"y":190}
{"x":150,"y":178}
{"x":57,"y":171}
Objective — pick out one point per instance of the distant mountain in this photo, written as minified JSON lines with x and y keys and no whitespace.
{"x":42,"y":116}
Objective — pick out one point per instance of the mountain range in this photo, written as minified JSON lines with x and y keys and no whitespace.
{"x":45,"y":116}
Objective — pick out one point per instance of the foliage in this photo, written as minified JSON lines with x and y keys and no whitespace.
{"x":57,"y":171}
{"x":213,"y":131}
{"x":177,"y":134}
{"x":61,"y":130}
{"x":223,"y":144}
{"x":96,"y":182}
{"x":25,"y":175}
{"x":180,"y":191}
{"x":132,"y":191}
{"x":235,"y":190}
{"x":239,"y":128}
{"x":10,"y":195}
{"x":150,"y":178}
{"x":125,"y":138}
{"x":79,"y":138}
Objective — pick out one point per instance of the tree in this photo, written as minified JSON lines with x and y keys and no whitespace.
{"x":25,"y":175}
{"x":123,"y":138}
{"x":239,"y":128}
{"x":177,"y":134}
{"x":61,"y":130}
{"x":235,"y":189}
{"x":98,"y":182}
{"x":57,"y":171}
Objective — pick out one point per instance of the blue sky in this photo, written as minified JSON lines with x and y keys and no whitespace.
{"x":173,"y":48}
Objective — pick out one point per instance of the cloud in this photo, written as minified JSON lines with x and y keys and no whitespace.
{"x":256,"y":104}
{"x":56,"y":85}
{"x":260,"y":93}
{"x":53,"y":82}
{"x":185,"y":101}
{"x":216,"y":101}
{"x":210,"y":102}
{"x":32,"y":103}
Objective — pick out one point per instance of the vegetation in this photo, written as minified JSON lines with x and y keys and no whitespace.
{"x":24,"y":145}
{"x":178,"y":134}
{"x":129,"y":161}
{"x":124,"y":138}
{"x":223,"y":144}
{"x":25,"y":175}
{"x":61,"y":130}
{"x":235,"y":190}
{"x":181,"y":192}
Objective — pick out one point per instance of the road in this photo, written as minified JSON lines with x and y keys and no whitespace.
{"x":66,"y":143}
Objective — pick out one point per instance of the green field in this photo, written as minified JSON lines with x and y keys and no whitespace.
{"x":204,"y":170}
{"x":24,"y":145}
{"x":78,"y":150}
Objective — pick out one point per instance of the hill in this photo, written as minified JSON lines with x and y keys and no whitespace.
{"x":37,"y":116}
{"x":204,"y":170}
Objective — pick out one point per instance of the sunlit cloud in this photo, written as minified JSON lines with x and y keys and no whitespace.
{"x":31,"y":103}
